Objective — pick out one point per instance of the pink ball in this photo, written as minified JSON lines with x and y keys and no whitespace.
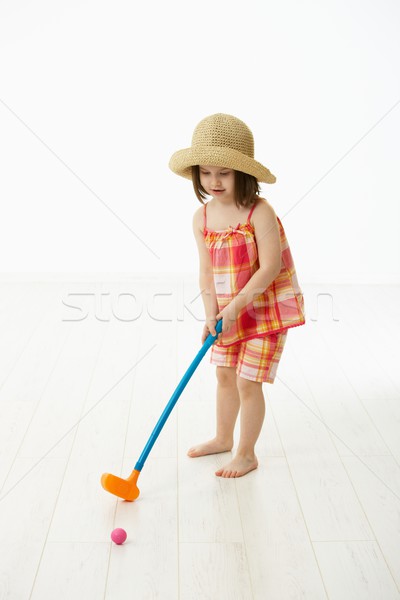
{"x":119,"y":535}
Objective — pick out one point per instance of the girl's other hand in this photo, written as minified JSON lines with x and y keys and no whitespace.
{"x":209,"y":327}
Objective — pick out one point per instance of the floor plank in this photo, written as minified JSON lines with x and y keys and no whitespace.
{"x":21,"y":393}
{"x":280,"y":554}
{"x":64,"y":397}
{"x":331,"y":508}
{"x":355,"y":570}
{"x":72,"y":570}
{"x":378,"y":486}
{"x":337,"y":402}
{"x":214,"y":570}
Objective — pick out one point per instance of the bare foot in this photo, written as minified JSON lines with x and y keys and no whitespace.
{"x":239,"y":466}
{"x":210,"y":447}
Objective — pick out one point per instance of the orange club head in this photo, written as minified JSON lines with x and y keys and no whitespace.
{"x":123,"y":488}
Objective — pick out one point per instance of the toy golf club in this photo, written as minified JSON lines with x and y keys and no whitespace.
{"x":127,"y":488}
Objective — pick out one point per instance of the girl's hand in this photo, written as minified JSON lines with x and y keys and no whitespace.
{"x":209,"y":327}
{"x":228,"y":315}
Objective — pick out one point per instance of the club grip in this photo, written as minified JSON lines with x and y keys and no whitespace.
{"x":210,"y":339}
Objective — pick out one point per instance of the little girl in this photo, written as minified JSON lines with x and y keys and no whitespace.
{"x":247,"y":278}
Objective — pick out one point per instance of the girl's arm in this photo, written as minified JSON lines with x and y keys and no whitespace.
{"x":206,"y":277}
{"x":269,"y":254}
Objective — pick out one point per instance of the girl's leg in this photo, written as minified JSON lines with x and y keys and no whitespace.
{"x":228,"y":404}
{"x":252,"y":405}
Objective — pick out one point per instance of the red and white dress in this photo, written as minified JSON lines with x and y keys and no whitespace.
{"x":234,"y":259}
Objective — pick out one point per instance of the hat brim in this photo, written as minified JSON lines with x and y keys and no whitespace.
{"x":181,"y":162}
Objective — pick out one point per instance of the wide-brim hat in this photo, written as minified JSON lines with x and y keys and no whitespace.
{"x":223,"y":141}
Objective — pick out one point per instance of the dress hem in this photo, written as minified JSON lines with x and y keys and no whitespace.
{"x":252,"y":337}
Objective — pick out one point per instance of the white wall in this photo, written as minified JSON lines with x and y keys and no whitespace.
{"x":96,"y":96}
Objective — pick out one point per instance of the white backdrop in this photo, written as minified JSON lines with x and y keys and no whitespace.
{"x":96,"y":96}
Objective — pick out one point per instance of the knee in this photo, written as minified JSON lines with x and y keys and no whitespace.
{"x":226,"y":375}
{"x":246,"y":386}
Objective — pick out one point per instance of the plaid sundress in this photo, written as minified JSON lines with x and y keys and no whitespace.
{"x":234,"y":258}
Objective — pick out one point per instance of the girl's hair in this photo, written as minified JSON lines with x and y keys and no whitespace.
{"x":246,"y":187}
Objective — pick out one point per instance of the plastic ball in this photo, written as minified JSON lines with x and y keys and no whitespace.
{"x":119,"y":535}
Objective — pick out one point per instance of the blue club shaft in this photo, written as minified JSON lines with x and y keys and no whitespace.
{"x":174,"y":398}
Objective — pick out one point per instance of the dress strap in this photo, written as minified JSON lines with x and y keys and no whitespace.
{"x":251,"y":212}
{"x":205,"y":215}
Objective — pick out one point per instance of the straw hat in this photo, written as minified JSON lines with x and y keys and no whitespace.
{"x":223,"y":141}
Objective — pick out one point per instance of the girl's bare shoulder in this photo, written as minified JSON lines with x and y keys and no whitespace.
{"x":198,"y":218}
{"x":263,"y":211}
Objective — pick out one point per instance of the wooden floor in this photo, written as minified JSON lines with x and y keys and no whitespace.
{"x":86,"y":370}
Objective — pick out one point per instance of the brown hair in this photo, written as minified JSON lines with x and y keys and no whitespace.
{"x":247,"y":187}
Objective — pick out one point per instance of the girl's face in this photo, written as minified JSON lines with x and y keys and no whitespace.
{"x":218,"y":182}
